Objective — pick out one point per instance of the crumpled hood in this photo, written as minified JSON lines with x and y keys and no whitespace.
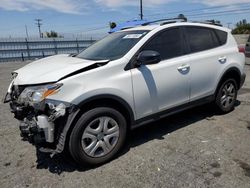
{"x":50,"y":69}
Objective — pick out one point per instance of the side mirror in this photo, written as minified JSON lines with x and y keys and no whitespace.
{"x":148,"y":57}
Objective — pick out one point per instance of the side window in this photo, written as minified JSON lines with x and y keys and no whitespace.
{"x":222,"y":36}
{"x":215,"y":38}
{"x":200,"y":39}
{"x":168,"y":43}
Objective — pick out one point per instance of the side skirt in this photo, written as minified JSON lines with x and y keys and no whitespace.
{"x":171,"y":111}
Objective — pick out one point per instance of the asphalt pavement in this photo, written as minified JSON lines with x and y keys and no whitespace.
{"x":196,"y":148}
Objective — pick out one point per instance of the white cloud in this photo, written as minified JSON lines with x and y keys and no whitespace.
{"x":150,"y":3}
{"x":220,"y":2}
{"x":120,"y":3}
{"x":65,"y":6}
{"x":73,"y":6}
{"x":78,"y":6}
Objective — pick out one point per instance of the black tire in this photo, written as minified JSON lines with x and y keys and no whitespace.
{"x":221,"y":106}
{"x":75,"y":145}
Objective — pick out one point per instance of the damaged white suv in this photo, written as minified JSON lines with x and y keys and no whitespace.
{"x":87,"y":103}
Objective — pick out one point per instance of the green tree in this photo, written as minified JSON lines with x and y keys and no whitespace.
{"x":52,"y":34}
{"x":242,"y":27}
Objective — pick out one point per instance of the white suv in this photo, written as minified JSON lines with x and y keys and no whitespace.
{"x":87,"y":103}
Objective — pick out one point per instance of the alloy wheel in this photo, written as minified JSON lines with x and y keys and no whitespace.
{"x":228,"y":95}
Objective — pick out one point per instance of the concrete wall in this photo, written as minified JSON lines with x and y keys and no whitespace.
{"x":241,"y":39}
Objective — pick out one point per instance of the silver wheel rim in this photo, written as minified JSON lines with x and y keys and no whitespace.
{"x":228,"y":95}
{"x":100,"y":136}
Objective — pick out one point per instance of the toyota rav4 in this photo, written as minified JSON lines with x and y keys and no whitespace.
{"x":86,"y":103}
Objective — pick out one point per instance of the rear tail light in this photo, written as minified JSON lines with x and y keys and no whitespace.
{"x":241,"y":49}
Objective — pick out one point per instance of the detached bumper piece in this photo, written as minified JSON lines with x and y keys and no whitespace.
{"x":38,"y":131}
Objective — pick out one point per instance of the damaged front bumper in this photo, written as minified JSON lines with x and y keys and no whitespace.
{"x":39,"y":127}
{"x":38,"y":130}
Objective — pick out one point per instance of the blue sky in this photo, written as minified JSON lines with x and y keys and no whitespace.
{"x":85,"y":18}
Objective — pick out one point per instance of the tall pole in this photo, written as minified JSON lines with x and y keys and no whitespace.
{"x":141,"y":11}
{"x":228,"y":24}
{"x":39,"y":27}
{"x":26,"y":29}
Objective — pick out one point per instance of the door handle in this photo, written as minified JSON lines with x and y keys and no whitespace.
{"x":183,"y":68}
{"x":222,"y":59}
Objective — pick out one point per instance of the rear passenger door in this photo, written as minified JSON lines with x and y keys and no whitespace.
{"x":206,"y":59}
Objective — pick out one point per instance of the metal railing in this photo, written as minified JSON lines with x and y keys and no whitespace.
{"x":21,"y":49}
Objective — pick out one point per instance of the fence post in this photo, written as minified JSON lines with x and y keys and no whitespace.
{"x":55,"y":46}
{"x":22,"y":57}
{"x":27,"y":46}
{"x":77,"y":45}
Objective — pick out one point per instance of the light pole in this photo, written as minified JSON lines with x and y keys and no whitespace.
{"x":39,"y":27}
{"x":141,"y":11}
{"x":228,"y":24}
{"x":26,"y":30}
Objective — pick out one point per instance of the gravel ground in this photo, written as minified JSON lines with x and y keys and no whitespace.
{"x":196,"y":148}
{"x":248,"y":61}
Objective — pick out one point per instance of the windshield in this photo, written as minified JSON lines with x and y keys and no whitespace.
{"x":114,"y":46}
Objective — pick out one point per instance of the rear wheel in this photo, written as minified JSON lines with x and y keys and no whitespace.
{"x":97,"y":136}
{"x":226,"y":96}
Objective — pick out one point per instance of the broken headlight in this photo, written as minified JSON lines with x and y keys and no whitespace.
{"x":35,"y":94}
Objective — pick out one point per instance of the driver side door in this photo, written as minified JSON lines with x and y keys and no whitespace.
{"x":161,"y":86}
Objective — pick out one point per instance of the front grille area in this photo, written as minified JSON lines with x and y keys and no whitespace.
{"x":16,"y":91}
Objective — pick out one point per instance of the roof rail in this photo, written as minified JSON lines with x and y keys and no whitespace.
{"x":166,"y":21}
{"x":211,"y":22}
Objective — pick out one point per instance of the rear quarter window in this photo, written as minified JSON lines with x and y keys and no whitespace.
{"x":222,"y":36}
{"x":202,"y":38}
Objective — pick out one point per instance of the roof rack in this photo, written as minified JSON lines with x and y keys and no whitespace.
{"x":166,"y":21}
{"x":174,"y":20}
{"x":211,"y":22}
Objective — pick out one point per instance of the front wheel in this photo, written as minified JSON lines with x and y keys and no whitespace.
{"x":97,"y":136}
{"x":226,"y":96}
